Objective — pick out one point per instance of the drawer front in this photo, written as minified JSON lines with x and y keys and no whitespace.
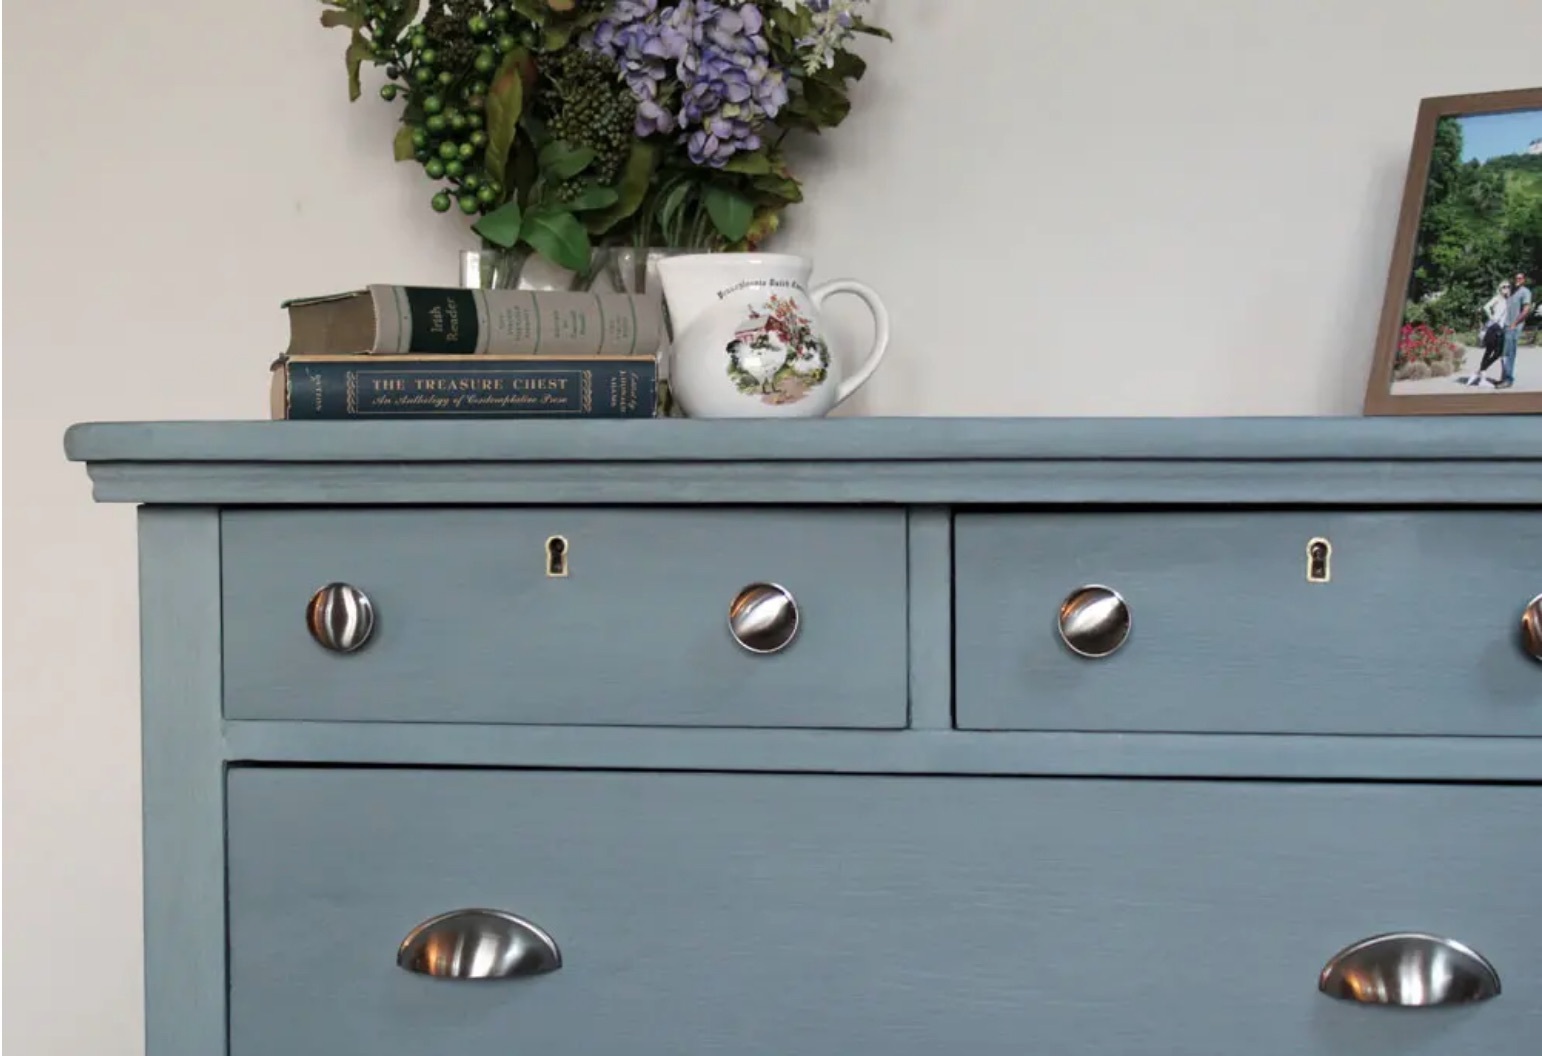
{"x":831,"y":915}
{"x":468,"y":626}
{"x":1417,"y":629}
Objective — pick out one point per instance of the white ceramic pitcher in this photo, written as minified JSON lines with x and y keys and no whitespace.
{"x":748,"y":338}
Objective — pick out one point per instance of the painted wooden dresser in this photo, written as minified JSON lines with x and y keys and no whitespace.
{"x":898,"y":737}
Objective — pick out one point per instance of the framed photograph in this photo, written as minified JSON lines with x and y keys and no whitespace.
{"x":1460,"y":323}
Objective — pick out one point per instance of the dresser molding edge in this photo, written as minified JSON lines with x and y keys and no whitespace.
{"x":964,"y":483}
{"x":918,"y":752}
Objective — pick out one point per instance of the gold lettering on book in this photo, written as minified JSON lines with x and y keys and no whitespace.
{"x":541,"y":393}
{"x":445,"y":320}
{"x":451,"y":383}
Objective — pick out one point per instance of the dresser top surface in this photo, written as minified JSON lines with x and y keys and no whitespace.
{"x":935,"y":439}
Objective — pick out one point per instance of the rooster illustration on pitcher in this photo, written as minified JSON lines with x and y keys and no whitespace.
{"x":776,"y":355}
{"x":748,"y":339}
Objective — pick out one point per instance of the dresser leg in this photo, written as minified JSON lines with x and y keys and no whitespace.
{"x":183,"y":782}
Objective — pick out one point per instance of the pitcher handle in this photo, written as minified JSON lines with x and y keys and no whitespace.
{"x":874,"y":303}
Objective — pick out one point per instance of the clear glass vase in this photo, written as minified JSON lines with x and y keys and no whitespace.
{"x":612,"y":269}
{"x":630,"y":269}
{"x":635,"y":270}
{"x":490,"y":268}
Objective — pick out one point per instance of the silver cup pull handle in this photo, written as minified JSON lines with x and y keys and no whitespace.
{"x":1531,"y":628}
{"x":474,"y":944}
{"x":1409,"y":969}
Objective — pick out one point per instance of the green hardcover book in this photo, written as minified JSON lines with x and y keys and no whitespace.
{"x":444,"y":386}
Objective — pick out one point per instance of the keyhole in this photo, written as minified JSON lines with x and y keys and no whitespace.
{"x":1319,"y":556}
{"x":556,"y":556}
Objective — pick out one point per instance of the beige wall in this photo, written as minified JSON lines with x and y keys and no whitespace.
{"x":1178,"y":207}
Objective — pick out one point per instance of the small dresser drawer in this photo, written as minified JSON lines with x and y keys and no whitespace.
{"x":1409,"y":623}
{"x":833,"y":915}
{"x":701,"y":617}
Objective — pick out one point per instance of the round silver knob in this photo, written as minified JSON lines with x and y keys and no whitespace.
{"x":1094,"y":621}
{"x":340,"y":617}
{"x":1531,"y":628}
{"x":763,"y":618}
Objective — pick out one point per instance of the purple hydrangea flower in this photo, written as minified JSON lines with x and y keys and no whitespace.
{"x":715,"y":52}
{"x":643,"y":46}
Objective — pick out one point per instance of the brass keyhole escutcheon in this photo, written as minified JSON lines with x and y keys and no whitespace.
{"x":1319,"y":561}
{"x":557,"y":557}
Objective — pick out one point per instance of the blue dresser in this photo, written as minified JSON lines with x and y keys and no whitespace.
{"x":839,"y":737}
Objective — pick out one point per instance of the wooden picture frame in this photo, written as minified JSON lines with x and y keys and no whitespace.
{"x":1437,"y":351}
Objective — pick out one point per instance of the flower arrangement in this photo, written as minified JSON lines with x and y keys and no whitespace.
{"x":1425,"y":352}
{"x":562,"y":124}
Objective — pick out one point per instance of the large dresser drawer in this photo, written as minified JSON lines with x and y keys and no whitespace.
{"x":474,"y":621}
{"x":832,"y":915}
{"x":1410,"y":625}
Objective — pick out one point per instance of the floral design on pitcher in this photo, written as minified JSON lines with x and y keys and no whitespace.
{"x":776,"y":355}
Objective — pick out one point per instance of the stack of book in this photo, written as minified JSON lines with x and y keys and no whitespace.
{"x":444,"y":352}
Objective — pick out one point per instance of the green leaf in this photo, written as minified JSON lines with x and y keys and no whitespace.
{"x":557,"y":36}
{"x":560,"y":160}
{"x":404,"y":18}
{"x":558,"y":236}
{"x":794,"y":22}
{"x":782,"y":187}
{"x":522,"y":175}
{"x":359,"y":52}
{"x":872,"y":31}
{"x":502,"y":226}
{"x":534,"y":10}
{"x":402,"y":147}
{"x":505,"y":103}
{"x":825,"y":103}
{"x":848,"y":66}
{"x":730,"y":211}
{"x":633,"y":188}
{"x":593,"y":198}
{"x":753,"y":164}
{"x":671,"y":205}
{"x":535,"y":128}
{"x":334,"y":18}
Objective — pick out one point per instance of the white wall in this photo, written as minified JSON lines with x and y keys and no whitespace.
{"x":1127,"y":207}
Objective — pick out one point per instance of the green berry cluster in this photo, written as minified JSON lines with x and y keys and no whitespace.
{"x":443,"y":67}
{"x":592,"y":108}
{"x":381,"y":18}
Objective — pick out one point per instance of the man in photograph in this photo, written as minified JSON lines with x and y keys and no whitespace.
{"x":1516,"y":314}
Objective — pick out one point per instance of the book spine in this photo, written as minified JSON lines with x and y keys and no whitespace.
{"x":359,"y":387}
{"x":448,"y":320}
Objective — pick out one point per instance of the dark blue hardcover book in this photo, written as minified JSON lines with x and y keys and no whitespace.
{"x":443,"y":386}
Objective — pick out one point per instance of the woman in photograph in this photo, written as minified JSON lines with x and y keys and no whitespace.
{"x":1493,"y":333}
